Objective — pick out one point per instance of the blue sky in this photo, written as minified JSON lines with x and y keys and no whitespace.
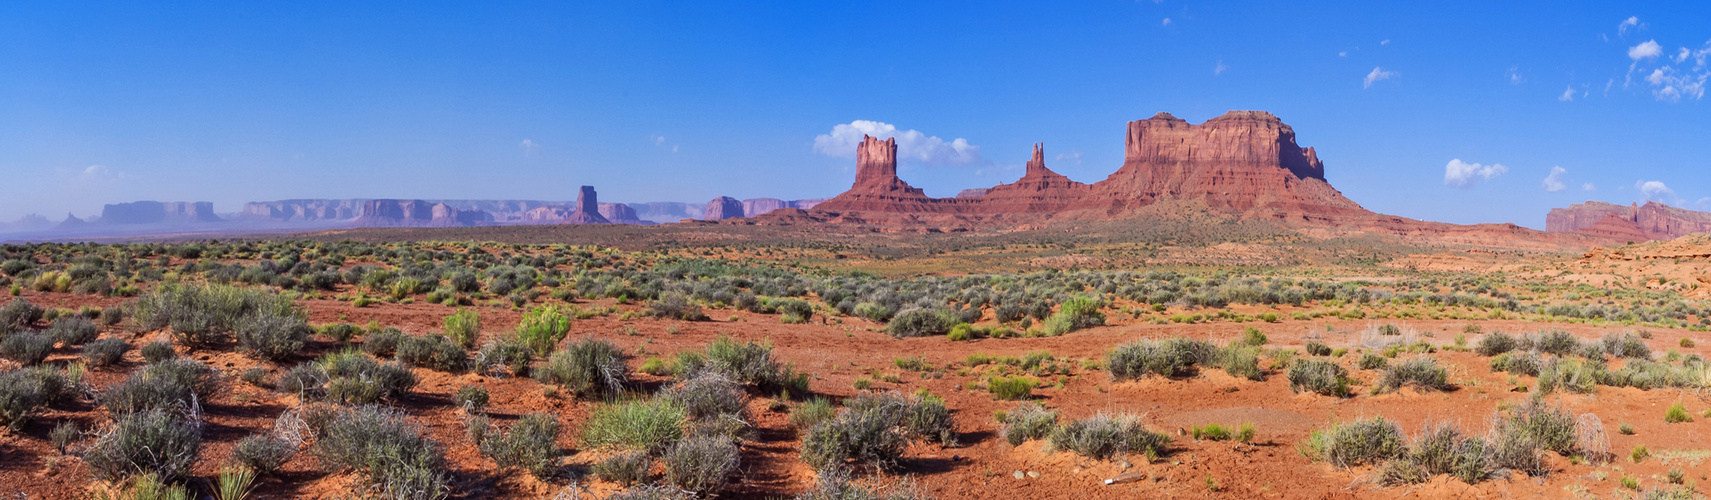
{"x":681,"y":101}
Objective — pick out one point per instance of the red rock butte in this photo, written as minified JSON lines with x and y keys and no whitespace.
{"x":1244,"y":162}
{"x":1652,"y":221}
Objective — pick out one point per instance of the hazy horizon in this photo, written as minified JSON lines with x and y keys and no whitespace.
{"x":1461,"y":112}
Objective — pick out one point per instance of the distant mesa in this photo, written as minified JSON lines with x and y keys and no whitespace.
{"x":297,"y":211}
{"x":619,"y":213}
{"x":757,"y":206}
{"x":154,"y":212}
{"x":723,"y":207}
{"x":972,"y":192}
{"x":1244,"y":162}
{"x":71,"y":222}
{"x":1634,"y":222}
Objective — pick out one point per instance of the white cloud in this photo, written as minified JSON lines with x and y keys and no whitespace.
{"x":1515,"y":75}
{"x":1657,"y":191}
{"x":1458,"y":174}
{"x":1630,"y":22}
{"x":1385,"y":42}
{"x":1219,"y":69}
{"x":659,"y":140}
{"x":1377,"y":74}
{"x":1681,"y":57}
{"x":1646,"y":50}
{"x":1671,"y":84}
{"x":911,"y":144}
{"x":1588,"y":187}
{"x":1166,"y":22}
{"x":1343,"y":54}
{"x":530,"y":148}
{"x":1070,"y":157}
{"x":1553,"y":182}
{"x":98,"y":174}
{"x":1567,"y":95}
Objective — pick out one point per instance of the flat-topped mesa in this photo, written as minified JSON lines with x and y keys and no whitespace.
{"x":1243,"y":161}
{"x":1655,"y":220}
{"x":877,"y":187}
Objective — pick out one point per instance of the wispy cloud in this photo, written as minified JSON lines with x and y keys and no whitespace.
{"x":1515,"y":77}
{"x":1219,"y":69}
{"x":1657,"y":191}
{"x":912,"y":145}
{"x":1070,"y":157}
{"x":1166,"y":22}
{"x":1588,"y":187}
{"x":1378,"y":74}
{"x":1567,"y":95}
{"x":1646,"y":50}
{"x":97,"y":174}
{"x":1630,"y":22}
{"x":1553,"y":182}
{"x":1463,"y":175}
{"x":659,"y":140}
{"x":530,"y":148}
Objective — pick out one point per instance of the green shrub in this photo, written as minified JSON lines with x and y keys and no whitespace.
{"x":1252,"y":336}
{"x":675,"y":305}
{"x":710,"y":396}
{"x":873,"y":311}
{"x":156,"y":442}
{"x":157,"y":351}
{"x":398,"y":458}
{"x":1626,"y":345}
{"x":1571,"y":374}
{"x":1027,"y":422}
{"x":463,"y":326}
{"x":532,"y":445}
{"x":1370,"y":361}
{"x":433,"y":351}
{"x":1520,"y":363}
{"x":512,"y":354}
{"x":172,"y":384}
{"x":1422,"y":372}
{"x":23,"y":391}
{"x":1315,"y":348}
{"x":1557,"y":342}
{"x":27,"y":348}
{"x":1496,"y":343}
{"x":273,"y":337}
{"x":1168,"y":358}
{"x":17,"y":315}
{"x":202,"y":314}
{"x":63,"y":435}
{"x":104,"y":352}
{"x":1348,"y":444}
{"x":1241,"y":361}
{"x":587,"y":367}
{"x":73,"y":330}
{"x":472,"y":398}
{"x":542,"y":328}
{"x":920,"y":322}
{"x":700,"y":464}
{"x":651,"y":424}
{"x":341,"y":332}
{"x":1012,"y":388}
{"x":1075,"y":314}
{"x":746,"y":362}
{"x":1105,"y":436}
{"x":382,"y":342}
{"x":1318,"y":376}
{"x":795,"y":311}
{"x":624,"y":468}
{"x":871,"y":434}
{"x":263,"y":453}
{"x":1677,"y":414}
{"x":810,"y":413}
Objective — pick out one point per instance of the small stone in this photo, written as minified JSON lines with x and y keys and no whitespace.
{"x":1034,"y":474}
{"x":1017,"y":474}
{"x":1124,"y":465}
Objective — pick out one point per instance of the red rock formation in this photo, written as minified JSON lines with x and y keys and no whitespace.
{"x":1617,"y":228}
{"x":619,"y":213}
{"x":394,"y":213}
{"x":757,"y":206}
{"x":587,"y":208}
{"x":723,"y":207}
{"x":972,"y":193}
{"x":1655,"y":221}
{"x":1245,"y":162}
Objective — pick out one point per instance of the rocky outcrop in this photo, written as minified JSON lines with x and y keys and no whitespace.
{"x":395,"y":213}
{"x":1244,"y":162}
{"x":619,"y":213}
{"x":587,"y":208}
{"x":668,"y":211}
{"x":297,"y":211}
{"x":757,"y":206}
{"x":723,"y":207}
{"x":972,"y":192}
{"x":71,"y":222}
{"x":27,"y":223}
{"x":154,"y":212}
{"x":1654,"y":221}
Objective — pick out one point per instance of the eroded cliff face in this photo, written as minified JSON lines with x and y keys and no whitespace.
{"x":723,"y":207}
{"x":1245,"y":162}
{"x":1653,"y":221}
{"x":619,"y":213}
{"x":155,"y":212}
